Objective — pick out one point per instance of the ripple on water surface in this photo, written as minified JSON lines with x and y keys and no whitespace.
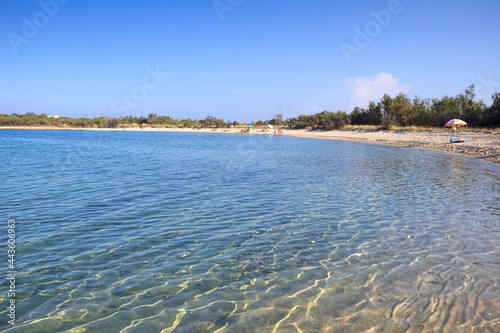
{"x":156,"y":232}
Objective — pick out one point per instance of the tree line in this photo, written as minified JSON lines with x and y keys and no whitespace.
{"x":404,"y":111}
{"x":153,"y":120}
{"x":400,"y":110}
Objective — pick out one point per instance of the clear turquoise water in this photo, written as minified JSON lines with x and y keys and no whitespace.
{"x":161,"y":232}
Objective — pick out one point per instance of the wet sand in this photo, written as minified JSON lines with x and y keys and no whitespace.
{"x":482,"y":145}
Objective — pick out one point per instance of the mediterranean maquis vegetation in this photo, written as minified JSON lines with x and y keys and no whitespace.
{"x":389,"y":112}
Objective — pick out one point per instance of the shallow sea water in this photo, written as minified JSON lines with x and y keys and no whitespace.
{"x":162,"y":232}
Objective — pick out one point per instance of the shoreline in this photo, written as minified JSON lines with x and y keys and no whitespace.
{"x":482,"y":145}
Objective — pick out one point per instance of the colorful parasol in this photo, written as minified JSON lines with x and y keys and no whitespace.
{"x":455,"y":123}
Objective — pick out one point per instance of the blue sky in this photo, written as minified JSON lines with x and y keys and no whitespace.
{"x":239,"y":59}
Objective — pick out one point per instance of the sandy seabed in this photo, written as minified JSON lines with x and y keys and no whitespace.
{"x":482,"y":145}
{"x":445,"y":282}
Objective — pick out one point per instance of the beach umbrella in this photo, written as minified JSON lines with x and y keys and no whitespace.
{"x":455,"y":123}
{"x":270,"y":126}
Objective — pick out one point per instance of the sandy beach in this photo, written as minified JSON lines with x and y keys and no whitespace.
{"x":482,"y":145}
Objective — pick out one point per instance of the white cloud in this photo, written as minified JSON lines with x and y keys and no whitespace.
{"x":363,"y":90}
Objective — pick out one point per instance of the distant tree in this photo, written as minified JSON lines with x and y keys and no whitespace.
{"x":357,"y":116}
{"x":491,"y":117}
{"x":370,"y":116}
{"x":220,"y":123}
{"x":402,"y":109}
{"x":420,"y":112}
{"x":152,"y":118}
{"x":444,"y":109}
{"x":113,"y":122}
{"x":374,"y":113}
{"x":208,"y":121}
{"x":323,"y":120}
{"x":332,"y":121}
{"x":211,"y":122}
{"x":470,"y":110}
{"x":388,"y":121}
